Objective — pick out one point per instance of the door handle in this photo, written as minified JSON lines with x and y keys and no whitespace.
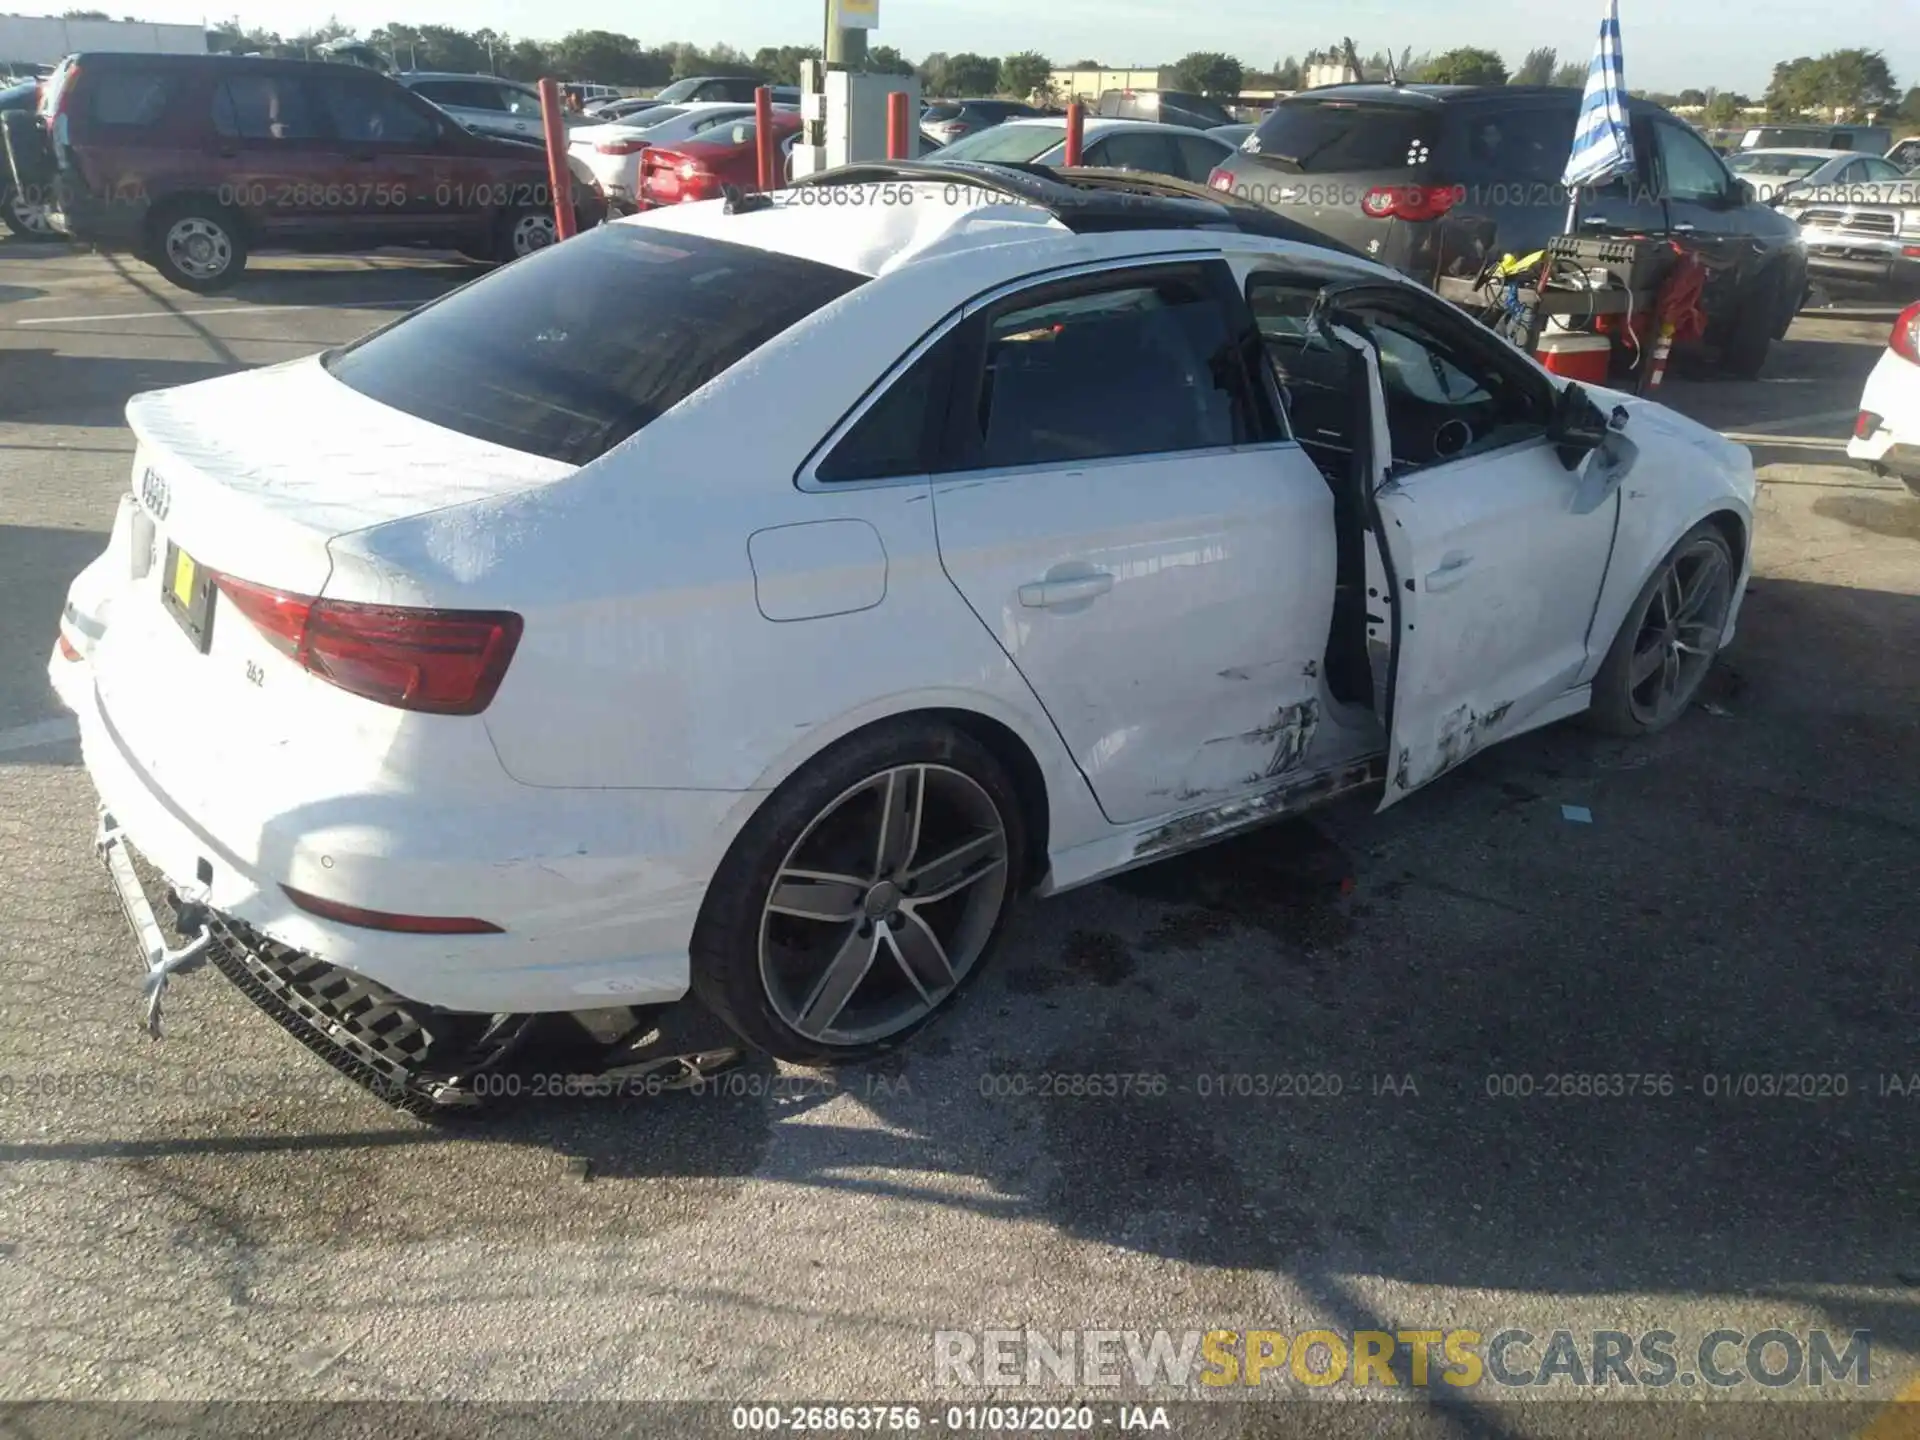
{"x":1044,"y":594}
{"x":1453,"y":570}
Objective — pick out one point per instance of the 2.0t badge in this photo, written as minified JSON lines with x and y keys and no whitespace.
{"x":155,"y":495}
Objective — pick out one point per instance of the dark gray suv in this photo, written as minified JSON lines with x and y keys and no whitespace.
{"x":1437,"y":180}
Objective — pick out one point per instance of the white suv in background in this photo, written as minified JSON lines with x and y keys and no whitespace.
{"x":1886,"y":439}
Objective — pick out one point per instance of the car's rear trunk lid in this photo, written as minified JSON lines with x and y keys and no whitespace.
{"x":254,"y":473}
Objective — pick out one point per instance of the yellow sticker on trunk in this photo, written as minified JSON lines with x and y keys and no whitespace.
{"x":183,"y":576}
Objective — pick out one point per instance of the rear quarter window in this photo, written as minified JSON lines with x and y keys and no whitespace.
{"x":571,"y":350}
{"x":128,"y":95}
{"x":1326,"y":137}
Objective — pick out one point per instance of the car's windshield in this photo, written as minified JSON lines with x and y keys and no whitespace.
{"x":569,"y":351}
{"x":1006,"y":144}
{"x":680,"y":89}
{"x":1787,"y":167}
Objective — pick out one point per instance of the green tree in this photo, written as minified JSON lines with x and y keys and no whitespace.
{"x":1538,"y":67}
{"x":1467,"y":66}
{"x":933,"y":74}
{"x":1086,"y":65}
{"x":885,"y":60}
{"x":526,"y":60}
{"x":601,"y":56}
{"x":1724,"y":109}
{"x":1289,"y":76}
{"x":1209,"y":72}
{"x":780,"y":64}
{"x":970,"y":74}
{"x":1026,"y":72}
{"x":1910,"y":108}
{"x":84,"y":15}
{"x":1571,"y":77}
{"x":1692,"y":97}
{"x":1841,"y":82}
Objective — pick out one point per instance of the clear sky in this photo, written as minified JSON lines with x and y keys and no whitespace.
{"x":1670,"y":44}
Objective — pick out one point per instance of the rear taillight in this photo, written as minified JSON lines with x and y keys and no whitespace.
{"x":439,"y":662}
{"x":1221,"y":180}
{"x":1411,"y":202}
{"x":619,"y":147}
{"x":672,"y":178}
{"x":1906,"y":334}
{"x":1868,"y":425}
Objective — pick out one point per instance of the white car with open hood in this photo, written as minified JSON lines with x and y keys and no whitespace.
{"x":760,"y":597}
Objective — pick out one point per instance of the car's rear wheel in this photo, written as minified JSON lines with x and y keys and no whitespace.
{"x":864,"y":896}
{"x":522,"y":232}
{"x":197,"y":244}
{"x":1749,"y":338}
{"x":1670,"y":640}
{"x":23,"y":216}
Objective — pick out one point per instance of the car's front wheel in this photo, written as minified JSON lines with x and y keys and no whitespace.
{"x":1670,"y":640}
{"x":864,"y":896}
{"x":197,"y":244}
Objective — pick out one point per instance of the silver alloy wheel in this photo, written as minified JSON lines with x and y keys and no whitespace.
{"x":532,"y":231}
{"x":1680,"y":631}
{"x":883,"y":905}
{"x":198,"y":248}
{"x":32,"y":216}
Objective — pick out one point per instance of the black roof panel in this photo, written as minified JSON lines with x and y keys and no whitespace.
{"x":1089,"y":201}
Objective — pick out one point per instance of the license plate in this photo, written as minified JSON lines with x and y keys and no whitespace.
{"x":187,"y":592}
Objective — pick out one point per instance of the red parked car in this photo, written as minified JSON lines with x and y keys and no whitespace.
{"x":191,"y":161}
{"x":702,"y":169}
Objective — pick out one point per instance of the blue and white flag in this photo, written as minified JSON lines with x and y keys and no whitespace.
{"x":1603,"y":140}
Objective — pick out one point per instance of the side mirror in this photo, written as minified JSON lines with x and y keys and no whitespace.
{"x":1745,"y":194}
{"x":1578,"y":426}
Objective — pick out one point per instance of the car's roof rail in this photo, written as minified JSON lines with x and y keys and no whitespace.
{"x":1089,"y":199}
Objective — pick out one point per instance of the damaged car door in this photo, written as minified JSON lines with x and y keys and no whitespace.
{"x":1496,"y":544}
{"x":1120,"y":504}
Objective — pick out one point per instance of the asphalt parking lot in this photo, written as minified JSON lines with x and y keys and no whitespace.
{"x":219,"y":1216}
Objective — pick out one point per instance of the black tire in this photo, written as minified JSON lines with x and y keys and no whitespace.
{"x":726,"y":949}
{"x":212,"y":220}
{"x":14,"y":220}
{"x":1749,"y":338}
{"x":1614,"y":711}
{"x":511,"y":228}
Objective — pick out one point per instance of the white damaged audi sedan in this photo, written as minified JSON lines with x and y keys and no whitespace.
{"x":759,"y":597}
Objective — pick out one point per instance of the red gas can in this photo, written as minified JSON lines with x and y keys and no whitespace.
{"x":1585,"y":358}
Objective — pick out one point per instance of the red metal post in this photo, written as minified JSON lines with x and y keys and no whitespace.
{"x":897,"y":134}
{"x":766,"y":152}
{"x":553,"y":115}
{"x":1076,"y":131}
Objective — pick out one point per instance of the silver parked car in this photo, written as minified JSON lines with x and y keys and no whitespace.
{"x":485,"y":103}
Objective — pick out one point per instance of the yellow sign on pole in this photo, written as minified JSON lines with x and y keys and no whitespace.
{"x":857,"y":14}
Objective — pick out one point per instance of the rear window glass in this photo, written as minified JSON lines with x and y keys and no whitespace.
{"x":130,"y":96}
{"x":569,"y":351}
{"x":1006,"y":144}
{"x":941,"y":112}
{"x":1322,"y":137}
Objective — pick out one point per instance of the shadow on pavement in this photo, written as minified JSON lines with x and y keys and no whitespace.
{"x":37,"y":564}
{"x":1284,"y":1075}
{"x":46,"y":387}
